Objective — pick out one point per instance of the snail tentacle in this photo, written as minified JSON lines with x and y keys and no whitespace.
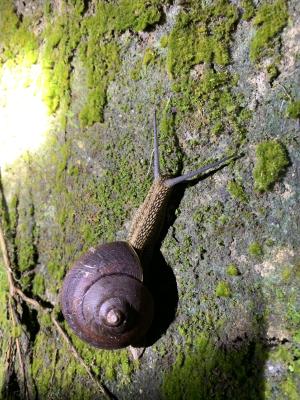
{"x":156,"y":151}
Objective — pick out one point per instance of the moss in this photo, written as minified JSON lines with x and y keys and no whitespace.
{"x":255,"y":249}
{"x":271,"y":163}
{"x":41,"y":370}
{"x":286,"y":273}
{"x":25,"y":238}
{"x":26,"y":254}
{"x":288,"y":356}
{"x":18,"y":42}
{"x":223,"y":289}
{"x":232,"y":270}
{"x":16,"y":331}
{"x":237,"y":192}
{"x":270,"y":19}
{"x":94,"y":35}
{"x":62,"y":36}
{"x":201,"y":35}
{"x":201,"y":369}
{"x":290,"y":389}
{"x":125,"y":14}
{"x":13,"y":216}
{"x":113,"y":364}
{"x":38,"y":285}
{"x":164,"y":40}
{"x":200,"y":39}
{"x":3,"y":293}
{"x":248,"y":9}
{"x":149,"y":57}
{"x":171,"y":156}
{"x":55,"y":370}
{"x":293,"y":109}
{"x":100,"y":52}
{"x":217,"y":128}
{"x":221,"y":112}
{"x":273,"y":72}
{"x":293,"y":315}
{"x":135,"y":73}
{"x":102,"y":64}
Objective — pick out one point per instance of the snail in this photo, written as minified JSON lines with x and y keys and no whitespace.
{"x":103,"y":297}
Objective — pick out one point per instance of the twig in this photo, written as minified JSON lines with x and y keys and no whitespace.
{"x":34,"y":303}
{"x":6,"y":261}
{"x":12,"y":311}
{"x":18,"y":346}
{"x":62,"y":333}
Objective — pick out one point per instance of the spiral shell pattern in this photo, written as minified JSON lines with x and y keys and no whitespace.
{"x":103,"y":298}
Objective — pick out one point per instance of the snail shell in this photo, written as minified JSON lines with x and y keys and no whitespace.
{"x":103,"y":297}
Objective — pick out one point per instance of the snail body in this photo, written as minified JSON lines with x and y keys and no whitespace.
{"x":103,"y":297}
{"x":148,"y":220}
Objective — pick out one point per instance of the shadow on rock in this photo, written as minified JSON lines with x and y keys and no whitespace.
{"x":215,"y":369}
{"x":161,"y":282}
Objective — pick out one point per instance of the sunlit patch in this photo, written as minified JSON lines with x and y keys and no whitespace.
{"x":24,"y":118}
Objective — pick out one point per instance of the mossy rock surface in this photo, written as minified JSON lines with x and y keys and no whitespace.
{"x":222,"y":77}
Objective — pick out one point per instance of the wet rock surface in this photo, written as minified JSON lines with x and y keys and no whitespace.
{"x":225,"y":273}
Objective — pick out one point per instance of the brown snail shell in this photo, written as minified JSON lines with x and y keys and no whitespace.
{"x":103,"y":297}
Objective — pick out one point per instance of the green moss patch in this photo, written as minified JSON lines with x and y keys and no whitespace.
{"x":237,"y":192}
{"x":271,"y":17}
{"x":62,"y":36}
{"x":125,"y":14}
{"x":56,"y":371}
{"x":221,"y":111}
{"x":102,"y":63}
{"x":223,"y":289}
{"x":149,"y":56}
{"x":293,"y":109}
{"x":232,"y":270}
{"x":171,"y":155}
{"x":201,"y":35}
{"x":100,"y":51}
{"x":248,"y":9}
{"x":204,"y":371}
{"x":273,"y":72}
{"x":38,"y":286}
{"x":18,"y":42}
{"x":288,"y":356}
{"x":271,"y":163}
{"x":164,"y":41}
{"x":255,"y":249}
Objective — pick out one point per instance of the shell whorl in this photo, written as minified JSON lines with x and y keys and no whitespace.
{"x":103,"y":298}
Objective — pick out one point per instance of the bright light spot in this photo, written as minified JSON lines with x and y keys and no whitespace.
{"x":24,"y":118}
